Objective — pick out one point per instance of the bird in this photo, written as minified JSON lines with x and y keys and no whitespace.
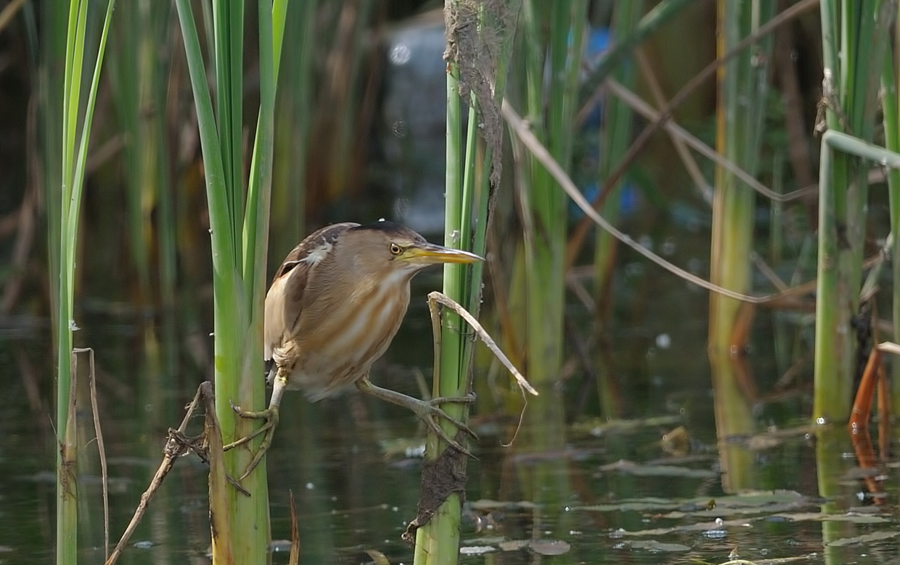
{"x":333,"y":308}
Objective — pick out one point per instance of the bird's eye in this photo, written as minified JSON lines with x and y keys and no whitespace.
{"x":396,"y":249}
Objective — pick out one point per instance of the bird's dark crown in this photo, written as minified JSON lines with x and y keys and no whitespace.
{"x":391,"y":229}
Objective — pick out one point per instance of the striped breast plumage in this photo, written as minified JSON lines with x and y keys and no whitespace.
{"x":322,"y":364}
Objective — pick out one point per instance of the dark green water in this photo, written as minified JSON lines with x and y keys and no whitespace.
{"x":609,"y":494}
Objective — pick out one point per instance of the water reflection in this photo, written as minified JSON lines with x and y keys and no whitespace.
{"x":668,"y":489}
{"x":733,"y":419}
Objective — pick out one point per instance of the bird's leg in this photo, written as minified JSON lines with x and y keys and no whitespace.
{"x":427,"y":410}
{"x":270,"y":415}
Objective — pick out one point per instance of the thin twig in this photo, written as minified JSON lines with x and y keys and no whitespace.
{"x":176,"y":445}
{"x":101,"y":448}
{"x":219,"y":511}
{"x":768,"y":272}
{"x":889,"y":347}
{"x":687,"y":158}
{"x":581,"y":293}
{"x":25,"y":224}
{"x":678,"y":132}
{"x":580,"y":232}
{"x":294,"y":558}
{"x":436,"y":337}
{"x":541,"y":154}
{"x":9,"y":12}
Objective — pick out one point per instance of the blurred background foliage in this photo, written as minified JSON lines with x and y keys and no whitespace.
{"x":359,"y":135}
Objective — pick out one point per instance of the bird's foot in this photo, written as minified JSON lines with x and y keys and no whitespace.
{"x":429,"y":411}
{"x":267,"y":430}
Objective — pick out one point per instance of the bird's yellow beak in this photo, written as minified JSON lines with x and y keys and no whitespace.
{"x":430,"y":253}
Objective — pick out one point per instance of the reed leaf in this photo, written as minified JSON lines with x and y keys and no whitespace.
{"x":74,"y":157}
{"x":294,"y":108}
{"x":239,"y":241}
{"x":614,"y":140}
{"x":228,"y":35}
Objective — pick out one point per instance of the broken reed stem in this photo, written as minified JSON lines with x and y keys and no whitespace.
{"x":68,"y":457}
{"x":101,"y":448}
{"x":862,"y":404}
{"x":436,"y":336}
{"x":173,"y":449}
{"x":219,"y":507}
{"x":445,"y":474}
{"x":680,"y":135}
{"x":441,"y":298}
{"x":436,"y":298}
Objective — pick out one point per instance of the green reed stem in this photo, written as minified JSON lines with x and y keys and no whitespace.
{"x":74,"y":157}
{"x":831,"y":402}
{"x":857,"y":30}
{"x":438,"y":541}
{"x":126,"y":74}
{"x":891,"y":119}
{"x":832,"y":356}
{"x":239,"y":241}
{"x":552,"y":43}
{"x":743,"y":85}
{"x":558,"y":54}
{"x":614,"y":140}
{"x":466,"y":207}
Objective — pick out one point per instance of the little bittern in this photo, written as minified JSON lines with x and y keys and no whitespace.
{"x":333,"y":308}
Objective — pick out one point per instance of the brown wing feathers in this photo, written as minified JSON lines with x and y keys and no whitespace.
{"x":284,"y":300}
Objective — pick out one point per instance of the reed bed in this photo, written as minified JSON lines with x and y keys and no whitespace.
{"x":543,"y":48}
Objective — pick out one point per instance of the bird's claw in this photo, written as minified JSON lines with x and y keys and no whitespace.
{"x":436,"y":410}
{"x":432,"y":412}
{"x":467,"y":399}
{"x":267,"y":430}
{"x":260,"y":415}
